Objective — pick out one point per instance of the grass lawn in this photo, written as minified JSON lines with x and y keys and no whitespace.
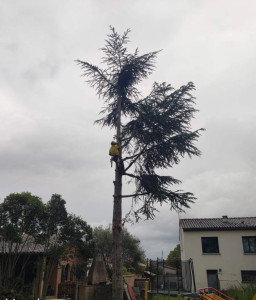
{"x":165,"y":297}
{"x":162,"y":297}
{"x":245,"y":293}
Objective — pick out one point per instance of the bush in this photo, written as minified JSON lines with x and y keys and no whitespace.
{"x":242,"y":293}
{"x":127,"y":271}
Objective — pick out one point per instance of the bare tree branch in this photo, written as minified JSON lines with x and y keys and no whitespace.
{"x":134,"y":195}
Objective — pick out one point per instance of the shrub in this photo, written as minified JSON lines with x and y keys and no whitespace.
{"x":242,"y":293}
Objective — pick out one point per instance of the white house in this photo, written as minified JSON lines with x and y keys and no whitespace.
{"x":223,"y":250}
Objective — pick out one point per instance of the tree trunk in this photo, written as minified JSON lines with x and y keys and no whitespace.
{"x":117,"y":274}
{"x":76,"y":291}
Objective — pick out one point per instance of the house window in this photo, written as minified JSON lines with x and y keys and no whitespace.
{"x":63,"y":274}
{"x":249,"y":244}
{"x":210,"y":244}
{"x":248,"y":276}
{"x":72,"y":273}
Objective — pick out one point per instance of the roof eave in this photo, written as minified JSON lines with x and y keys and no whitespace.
{"x":219,"y":229}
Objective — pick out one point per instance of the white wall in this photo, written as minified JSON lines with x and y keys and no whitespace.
{"x":231,"y":259}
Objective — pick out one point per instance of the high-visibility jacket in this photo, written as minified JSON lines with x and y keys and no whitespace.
{"x":114,"y":150}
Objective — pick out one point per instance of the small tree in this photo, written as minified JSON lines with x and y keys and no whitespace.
{"x":20,"y":215}
{"x":103,"y":243}
{"x":62,"y":236}
{"x":152,"y":132}
{"x":173,"y":258}
{"x":51,"y":238}
{"x":132,"y":252}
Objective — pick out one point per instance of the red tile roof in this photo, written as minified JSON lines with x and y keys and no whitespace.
{"x":221,"y":224}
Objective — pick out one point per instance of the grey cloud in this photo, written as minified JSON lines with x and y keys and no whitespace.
{"x":48,"y":141}
{"x":163,"y":231}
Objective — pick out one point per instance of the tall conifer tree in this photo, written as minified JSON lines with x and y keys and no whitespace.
{"x":153,"y":133}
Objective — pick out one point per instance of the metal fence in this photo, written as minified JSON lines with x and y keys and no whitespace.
{"x":177,"y":277}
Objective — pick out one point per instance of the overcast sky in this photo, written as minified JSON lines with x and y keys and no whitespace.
{"x":49,"y":143}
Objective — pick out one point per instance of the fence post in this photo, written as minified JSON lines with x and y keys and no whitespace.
{"x":157,"y":274}
{"x":164,"y":277}
{"x":146,"y":290}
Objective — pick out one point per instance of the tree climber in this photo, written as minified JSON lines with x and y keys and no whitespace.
{"x":114,"y":152}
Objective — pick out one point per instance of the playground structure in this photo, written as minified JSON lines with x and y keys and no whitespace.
{"x":207,"y":293}
{"x":165,"y":282}
{"x":210,"y":293}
